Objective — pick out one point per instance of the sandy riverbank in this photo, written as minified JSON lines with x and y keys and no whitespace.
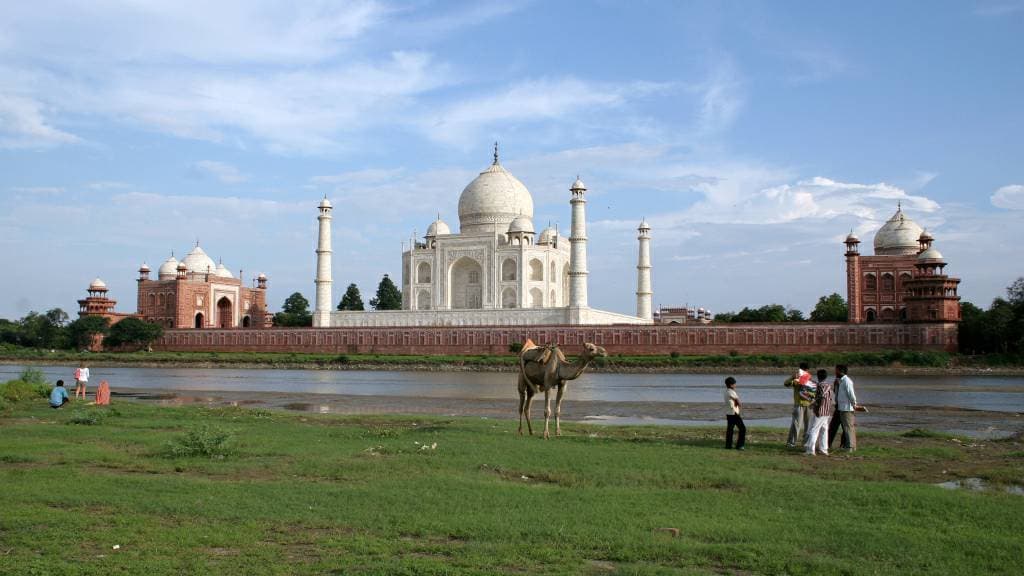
{"x":975,"y":423}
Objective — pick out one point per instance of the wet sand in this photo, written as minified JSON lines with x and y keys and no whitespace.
{"x":976,"y":423}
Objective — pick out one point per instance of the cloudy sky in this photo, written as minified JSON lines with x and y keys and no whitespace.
{"x":752,"y":136}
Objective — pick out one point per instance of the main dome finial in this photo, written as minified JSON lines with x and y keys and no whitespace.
{"x":495,"y":152}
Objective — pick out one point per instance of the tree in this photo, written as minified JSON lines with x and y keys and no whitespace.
{"x":1015,"y":292}
{"x":352,"y":300}
{"x":81,"y":332}
{"x":794,"y":315}
{"x":133,"y":333}
{"x":42,"y":330}
{"x":389,"y":297}
{"x":831,"y":308}
{"x":295,"y":312}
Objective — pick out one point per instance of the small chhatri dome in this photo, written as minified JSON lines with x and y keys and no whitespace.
{"x":852,"y":238}
{"x":548,"y":235}
{"x":930,"y":254}
{"x":144,"y":267}
{"x":98,"y":285}
{"x":492,"y":200}
{"x":325,"y":203}
{"x":644,"y":225}
{"x":182,"y":267}
{"x":198,"y":262}
{"x":521,"y":224}
{"x":262,"y":276}
{"x":898,"y":236}
{"x":168,"y":268}
{"x":223,"y":271}
{"x":438,"y":228}
{"x":578,"y":184}
{"x":925,"y":237}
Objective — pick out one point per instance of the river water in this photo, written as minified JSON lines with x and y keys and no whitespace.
{"x":992,"y":393}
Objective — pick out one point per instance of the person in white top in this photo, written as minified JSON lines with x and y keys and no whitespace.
{"x":846,"y":405}
{"x":81,"y":379}
{"x":732,"y":415}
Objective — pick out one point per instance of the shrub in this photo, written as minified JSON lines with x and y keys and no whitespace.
{"x":205,"y":440}
{"x":674,"y":354}
{"x":18,"y":390}
{"x":32,"y":376}
{"x":85,"y":417}
{"x":515,"y":347}
{"x":342,"y":359}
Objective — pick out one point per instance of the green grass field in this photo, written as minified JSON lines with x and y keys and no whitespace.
{"x":312,"y":494}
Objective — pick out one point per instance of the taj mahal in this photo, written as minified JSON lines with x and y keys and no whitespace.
{"x":495,"y":271}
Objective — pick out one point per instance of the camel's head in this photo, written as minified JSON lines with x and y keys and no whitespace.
{"x":593,"y":350}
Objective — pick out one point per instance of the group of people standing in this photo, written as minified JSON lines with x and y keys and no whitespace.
{"x":820,"y":408}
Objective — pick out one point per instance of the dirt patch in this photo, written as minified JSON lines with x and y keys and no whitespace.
{"x":523,"y":477}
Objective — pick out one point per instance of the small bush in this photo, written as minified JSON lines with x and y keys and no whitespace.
{"x":32,"y":376}
{"x":675,"y":354}
{"x":19,"y":390}
{"x":85,"y":417}
{"x":205,"y":440}
{"x":515,"y":347}
{"x":342,"y":359}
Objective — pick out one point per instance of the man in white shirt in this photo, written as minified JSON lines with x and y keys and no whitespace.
{"x":846,"y":404}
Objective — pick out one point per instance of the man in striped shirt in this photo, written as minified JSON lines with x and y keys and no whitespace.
{"x":824,"y":406}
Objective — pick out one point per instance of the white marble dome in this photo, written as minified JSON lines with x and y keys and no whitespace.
{"x":898,"y":236}
{"x":438,"y":228}
{"x":223,"y":271}
{"x":169,"y":269}
{"x":492,"y":200}
{"x":548,"y":235}
{"x":198,"y":262}
{"x":97,"y":285}
{"x":930,"y":254}
{"x":520,"y":224}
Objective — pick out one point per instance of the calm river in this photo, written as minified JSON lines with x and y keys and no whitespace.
{"x":1000,"y":394}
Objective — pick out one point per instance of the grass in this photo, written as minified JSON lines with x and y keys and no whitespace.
{"x":900,"y":358}
{"x":322,"y":494}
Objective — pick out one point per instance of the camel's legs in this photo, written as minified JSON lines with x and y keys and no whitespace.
{"x":558,"y":410}
{"x":526,"y":410}
{"x":522,"y":403}
{"x":547,"y":411}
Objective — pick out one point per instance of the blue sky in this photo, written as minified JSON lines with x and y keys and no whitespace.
{"x":752,"y":136}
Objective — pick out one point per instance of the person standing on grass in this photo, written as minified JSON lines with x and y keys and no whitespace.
{"x":81,"y":379}
{"x":732,"y":415}
{"x":801,"y":407}
{"x":59,"y":395}
{"x":824,"y":406}
{"x":846,"y":404}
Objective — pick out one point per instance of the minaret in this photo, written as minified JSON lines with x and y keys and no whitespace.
{"x":578,"y":248}
{"x":854,"y":308}
{"x":324,"y":280}
{"x":643,"y":272}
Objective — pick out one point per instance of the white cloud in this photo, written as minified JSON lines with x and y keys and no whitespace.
{"x":224,"y":172}
{"x":1009,"y":197}
{"x":41,"y":190}
{"x":24,"y":125}
{"x":721,"y":98}
{"x":558,"y":99}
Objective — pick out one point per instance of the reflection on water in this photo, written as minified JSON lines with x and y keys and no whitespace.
{"x":1003,"y":394}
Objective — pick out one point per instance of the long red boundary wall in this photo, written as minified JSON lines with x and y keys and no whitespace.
{"x":687,"y":340}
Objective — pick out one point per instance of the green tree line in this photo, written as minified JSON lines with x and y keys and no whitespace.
{"x":52,"y":330}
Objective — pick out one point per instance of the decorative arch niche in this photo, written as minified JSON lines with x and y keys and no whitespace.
{"x":465,"y":290}
{"x":508,"y":270}
{"x":423,"y":273}
{"x":536,"y":298}
{"x":508,"y":298}
{"x":536,"y":270}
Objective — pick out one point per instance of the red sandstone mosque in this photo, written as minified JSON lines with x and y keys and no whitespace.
{"x":905,"y":280}
{"x":192,"y":293}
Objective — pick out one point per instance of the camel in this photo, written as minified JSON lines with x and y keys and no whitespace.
{"x":542,"y":368}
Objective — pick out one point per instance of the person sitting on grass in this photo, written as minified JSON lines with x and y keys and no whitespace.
{"x":59,"y":395}
{"x":732,"y":415}
{"x":824,"y":406}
